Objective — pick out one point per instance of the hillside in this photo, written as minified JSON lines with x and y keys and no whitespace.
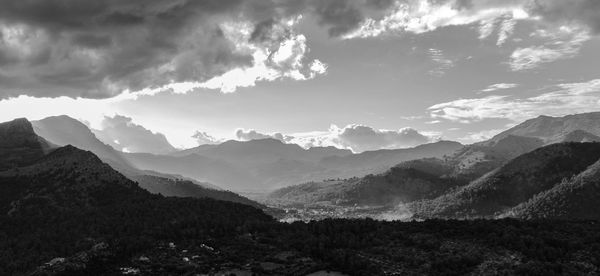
{"x":187,"y":188}
{"x":513,"y":183}
{"x":73,"y":201}
{"x":67,"y":178}
{"x":473,"y":161}
{"x":576,"y":197}
{"x":395,"y":186}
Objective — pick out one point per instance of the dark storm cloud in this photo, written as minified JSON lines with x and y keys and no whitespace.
{"x":98,"y":49}
{"x":582,"y":11}
{"x":343,"y":16}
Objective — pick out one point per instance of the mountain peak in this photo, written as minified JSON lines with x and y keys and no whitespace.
{"x":19,"y":145}
{"x":20,"y":125}
{"x":554,"y":129}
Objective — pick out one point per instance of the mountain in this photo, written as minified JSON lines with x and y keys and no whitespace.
{"x":515,"y":182}
{"x":475,"y":160}
{"x":576,"y":197}
{"x":19,"y":145}
{"x":395,"y":186}
{"x":186,"y":188}
{"x":268,"y":164}
{"x":69,"y":200}
{"x":67,"y":178}
{"x":579,"y":136}
{"x":381,"y":160}
{"x":198,"y":167}
{"x":554,"y":129}
{"x":244,"y":153}
{"x":64,"y":130}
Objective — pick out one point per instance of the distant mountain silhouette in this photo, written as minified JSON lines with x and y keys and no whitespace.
{"x":267,"y":164}
{"x":202,"y":168}
{"x":514,"y":183}
{"x":262,"y":151}
{"x":64,"y":130}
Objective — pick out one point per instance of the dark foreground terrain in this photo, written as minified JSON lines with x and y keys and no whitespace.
{"x":184,"y":237}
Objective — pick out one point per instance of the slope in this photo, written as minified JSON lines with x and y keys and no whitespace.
{"x":514,"y":183}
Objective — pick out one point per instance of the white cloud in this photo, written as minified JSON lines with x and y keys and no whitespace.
{"x":359,"y":138}
{"x":251,"y":134}
{"x":506,"y":30}
{"x":284,"y":58}
{"x":123,"y":134}
{"x":33,"y":108}
{"x":425,"y":16}
{"x":499,"y":86}
{"x":204,"y":138}
{"x":442,"y":63}
{"x":566,"y":98}
{"x":562,"y":43}
{"x":473,"y":137}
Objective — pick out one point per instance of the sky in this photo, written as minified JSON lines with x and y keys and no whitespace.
{"x":355,"y":74}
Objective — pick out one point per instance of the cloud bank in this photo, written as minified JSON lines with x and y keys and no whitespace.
{"x":98,"y":49}
{"x":355,"y":137}
{"x":122,"y":134}
{"x":203,"y":138}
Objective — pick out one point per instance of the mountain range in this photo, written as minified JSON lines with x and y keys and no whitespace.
{"x":267,"y":164}
{"x":510,"y":174}
{"x":66,"y":211}
{"x":64,"y":130}
{"x":528,"y":171}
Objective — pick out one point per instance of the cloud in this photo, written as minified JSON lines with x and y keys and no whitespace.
{"x":442,"y":63}
{"x":426,"y":16}
{"x":251,"y":134}
{"x":98,"y":49}
{"x":121,"y":133}
{"x":561,"y":44}
{"x":359,"y":138}
{"x":473,"y":137}
{"x":585,"y":12}
{"x":355,"y":137}
{"x":566,"y":98}
{"x":104,"y":48}
{"x":204,"y":138}
{"x":499,"y":86}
